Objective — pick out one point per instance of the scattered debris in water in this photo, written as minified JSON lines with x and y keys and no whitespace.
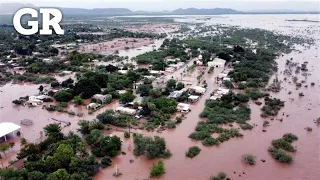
{"x":309,"y":129}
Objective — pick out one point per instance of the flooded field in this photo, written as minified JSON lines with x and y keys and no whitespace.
{"x":115,"y":45}
{"x":153,"y":28}
{"x":298,"y":113}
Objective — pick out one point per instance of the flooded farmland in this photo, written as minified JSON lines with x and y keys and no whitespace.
{"x":298,"y":113}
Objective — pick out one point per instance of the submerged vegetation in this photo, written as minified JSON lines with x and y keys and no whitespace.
{"x":219,"y":176}
{"x":251,"y":53}
{"x":193,"y":151}
{"x":280,"y":146}
{"x":58,"y":156}
{"x":157,"y":169}
{"x":150,"y":147}
{"x":249,"y":159}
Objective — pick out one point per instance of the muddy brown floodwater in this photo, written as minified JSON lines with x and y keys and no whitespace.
{"x":227,"y":157}
{"x":301,"y":113}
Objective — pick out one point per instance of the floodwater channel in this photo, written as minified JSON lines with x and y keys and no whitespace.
{"x":299,"y":112}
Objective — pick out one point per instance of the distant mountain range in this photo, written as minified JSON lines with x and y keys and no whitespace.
{"x":96,"y":11}
{"x":11,"y":8}
{"x":195,"y":11}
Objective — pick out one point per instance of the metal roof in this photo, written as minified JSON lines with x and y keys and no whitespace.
{"x":7,"y":128}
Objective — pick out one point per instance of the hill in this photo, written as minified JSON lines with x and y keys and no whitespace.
{"x":96,"y":11}
{"x":195,"y":11}
{"x":11,"y":8}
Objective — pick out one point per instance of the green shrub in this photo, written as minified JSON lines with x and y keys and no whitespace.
{"x":210,"y":142}
{"x":280,"y":155}
{"x":223,"y":137}
{"x":78,"y":100}
{"x":228,"y":84}
{"x":283,"y":144}
{"x":170,"y":125}
{"x":106,"y":162}
{"x":63,"y":96}
{"x":18,"y":102}
{"x":242,"y":86}
{"x":249,"y":159}
{"x":126,"y":135}
{"x":63,"y":104}
{"x":246,"y":126}
{"x":219,"y":176}
{"x":193,"y":151}
{"x":199,"y":135}
{"x":157,"y":169}
{"x":289,"y":137}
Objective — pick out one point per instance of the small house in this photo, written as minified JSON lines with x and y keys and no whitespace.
{"x":193,"y":98}
{"x":152,"y":78}
{"x":125,"y":110}
{"x":216,"y":96}
{"x":93,"y":106}
{"x":123,"y":71}
{"x":122,"y":91}
{"x":182,"y":107}
{"x":103,"y":99}
{"x":223,"y":91}
{"x":217,"y":63}
{"x":175,"y":94}
{"x":197,"y":89}
{"x":47,"y":60}
{"x":34,"y":102}
{"x":199,"y":63}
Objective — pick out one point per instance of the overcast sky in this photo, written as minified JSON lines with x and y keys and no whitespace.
{"x":159,"y":5}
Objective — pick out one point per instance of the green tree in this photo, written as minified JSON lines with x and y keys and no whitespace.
{"x":86,"y":88}
{"x":180,"y":86}
{"x":63,"y":96}
{"x":41,"y":88}
{"x":4,"y":147}
{"x":78,"y":100}
{"x":155,"y":93}
{"x":126,"y":98}
{"x":228,"y":84}
{"x":106,"y":162}
{"x":60,"y":174}
{"x":144,"y":90}
{"x":62,"y":157}
{"x":157,"y":169}
{"x":152,"y":147}
{"x":53,"y":131}
{"x":36,"y":175}
{"x":171,"y":84}
{"x":107,"y":117}
{"x":55,"y":84}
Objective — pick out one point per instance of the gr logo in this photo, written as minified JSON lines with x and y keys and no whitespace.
{"x":46,"y":21}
